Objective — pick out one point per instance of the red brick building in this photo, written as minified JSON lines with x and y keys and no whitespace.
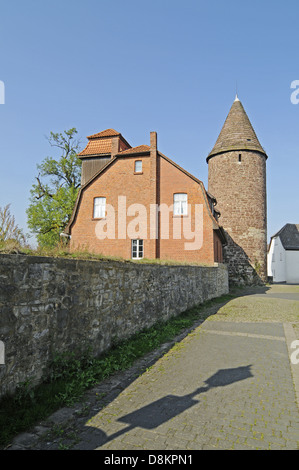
{"x":137,"y":203}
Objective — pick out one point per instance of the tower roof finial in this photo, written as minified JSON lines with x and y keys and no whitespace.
{"x":236,"y":98}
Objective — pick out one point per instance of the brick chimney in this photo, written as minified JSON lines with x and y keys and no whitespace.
{"x":154,"y":199}
{"x":114,"y":145}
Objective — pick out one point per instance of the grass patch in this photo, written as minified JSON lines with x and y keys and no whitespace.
{"x":72,"y":373}
{"x":63,"y":251}
{"x":11,"y":246}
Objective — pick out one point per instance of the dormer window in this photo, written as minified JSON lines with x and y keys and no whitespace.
{"x":138,"y":166}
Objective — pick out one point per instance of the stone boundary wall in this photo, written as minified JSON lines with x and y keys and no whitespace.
{"x":50,"y":305}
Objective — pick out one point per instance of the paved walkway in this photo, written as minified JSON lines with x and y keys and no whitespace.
{"x":226,"y":385}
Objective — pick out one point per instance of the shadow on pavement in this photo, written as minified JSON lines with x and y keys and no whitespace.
{"x":153,"y":415}
{"x":92,"y":438}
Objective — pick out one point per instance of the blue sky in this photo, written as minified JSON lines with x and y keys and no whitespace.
{"x":135,"y":66}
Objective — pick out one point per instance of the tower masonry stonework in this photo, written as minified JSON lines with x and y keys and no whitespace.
{"x":237,"y":179}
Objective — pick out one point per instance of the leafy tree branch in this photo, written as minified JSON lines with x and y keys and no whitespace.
{"x":54,"y":192}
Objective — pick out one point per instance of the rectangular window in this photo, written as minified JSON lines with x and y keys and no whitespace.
{"x":138,"y":166}
{"x":180,"y":204}
{"x":137,"y":249}
{"x":99,"y":207}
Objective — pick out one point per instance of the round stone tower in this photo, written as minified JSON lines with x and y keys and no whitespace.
{"x":237,"y":179}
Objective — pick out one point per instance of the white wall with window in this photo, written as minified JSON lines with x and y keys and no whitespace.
{"x":180,"y":204}
{"x":99,"y":207}
{"x":137,"y":249}
{"x":276,"y":261}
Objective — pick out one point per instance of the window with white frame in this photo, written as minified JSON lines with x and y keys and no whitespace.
{"x":99,"y":207}
{"x":180,"y":204}
{"x":138,"y":166}
{"x":137,"y":249}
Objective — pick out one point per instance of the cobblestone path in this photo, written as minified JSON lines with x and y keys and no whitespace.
{"x":226,"y":386}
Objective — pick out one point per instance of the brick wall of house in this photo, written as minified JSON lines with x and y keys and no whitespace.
{"x":158,"y":181}
{"x":118,"y":180}
{"x":175,"y":181}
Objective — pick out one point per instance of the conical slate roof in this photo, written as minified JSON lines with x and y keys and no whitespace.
{"x":237,"y":133}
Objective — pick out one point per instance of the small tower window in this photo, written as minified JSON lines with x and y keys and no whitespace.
{"x":240,"y":158}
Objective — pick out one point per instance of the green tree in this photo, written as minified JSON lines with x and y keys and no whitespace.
{"x":54,"y":193}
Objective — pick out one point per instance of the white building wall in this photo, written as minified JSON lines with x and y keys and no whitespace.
{"x":292,"y":266}
{"x":277,"y":261}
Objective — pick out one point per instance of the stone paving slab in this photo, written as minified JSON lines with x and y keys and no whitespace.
{"x":266,"y":329}
{"x":224,"y":386}
{"x":281,"y":295}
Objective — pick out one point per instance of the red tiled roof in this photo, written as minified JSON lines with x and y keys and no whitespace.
{"x":106,"y":133}
{"x":100,"y":143}
{"x":95,"y":147}
{"x":139,"y":149}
